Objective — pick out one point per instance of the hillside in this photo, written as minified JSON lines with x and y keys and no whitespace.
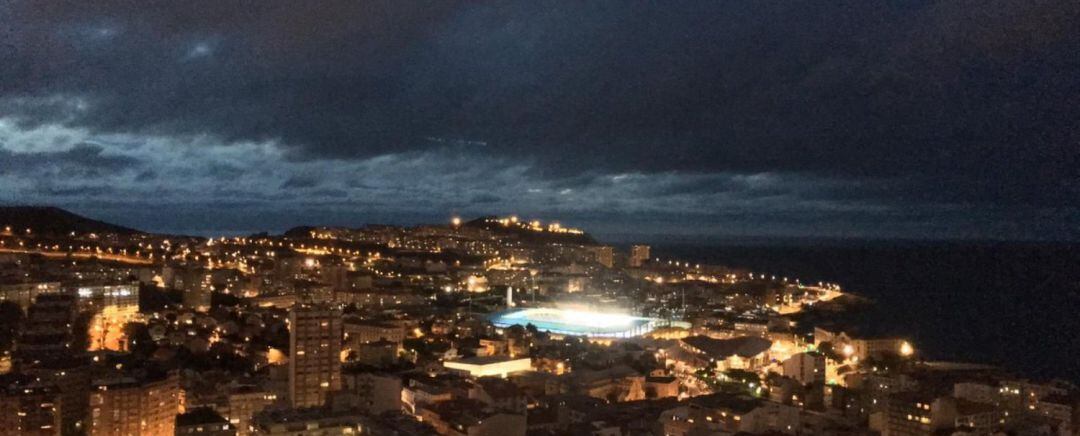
{"x":526,"y":235}
{"x":54,"y":221}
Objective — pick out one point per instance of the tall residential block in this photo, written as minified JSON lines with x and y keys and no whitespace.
{"x":315,"y":348}
{"x":639,"y":254}
{"x":139,"y":403}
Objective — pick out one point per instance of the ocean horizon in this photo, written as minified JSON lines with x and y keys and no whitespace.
{"x":1011,"y":304}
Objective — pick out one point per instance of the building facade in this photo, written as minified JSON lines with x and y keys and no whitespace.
{"x":135,"y":405}
{"x":639,"y":254}
{"x":315,"y":361}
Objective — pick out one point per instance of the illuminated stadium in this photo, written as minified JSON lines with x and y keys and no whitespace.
{"x":580,"y":323}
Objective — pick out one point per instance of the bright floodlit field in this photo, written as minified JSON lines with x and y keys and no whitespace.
{"x":578,"y":323}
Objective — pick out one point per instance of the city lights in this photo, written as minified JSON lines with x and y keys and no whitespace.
{"x":906,"y":349}
{"x":523,"y":219}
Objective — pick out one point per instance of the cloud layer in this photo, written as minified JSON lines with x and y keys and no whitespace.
{"x":921,"y":119}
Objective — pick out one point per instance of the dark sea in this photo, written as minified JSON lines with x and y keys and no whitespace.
{"x":1016,"y":305}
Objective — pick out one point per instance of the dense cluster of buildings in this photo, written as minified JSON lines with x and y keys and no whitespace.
{"x":394,"y":330}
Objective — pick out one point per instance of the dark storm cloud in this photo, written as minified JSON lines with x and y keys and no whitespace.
{"x":224,"y":171}
{"x":146,"y":176}
{"x":700,"y":106}
{"x":331,"y":193}
{"x":485,"y":199}
{"x":80,"y":191}
{"x":82,"y":158}
{"x":300,"y":182}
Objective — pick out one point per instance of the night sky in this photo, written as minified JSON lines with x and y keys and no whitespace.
{"x":904,"y":119}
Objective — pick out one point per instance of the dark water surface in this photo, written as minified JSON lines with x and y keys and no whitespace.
{"x":1012,"y":304}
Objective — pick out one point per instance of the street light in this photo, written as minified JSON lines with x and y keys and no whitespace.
{"x":906,"y":349}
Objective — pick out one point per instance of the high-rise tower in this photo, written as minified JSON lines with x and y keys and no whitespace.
{"x":315,"y":354}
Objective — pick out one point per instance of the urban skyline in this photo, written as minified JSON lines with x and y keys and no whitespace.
{"x":540,"y":218}
{"x":925,"y":120}
{"x":492,"y":326}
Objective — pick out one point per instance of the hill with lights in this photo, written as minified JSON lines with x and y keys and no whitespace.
{"x":532,"y":232}
{"x":47,"y":220}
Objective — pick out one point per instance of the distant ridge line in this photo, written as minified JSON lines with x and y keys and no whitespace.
{"x":55,"y":221}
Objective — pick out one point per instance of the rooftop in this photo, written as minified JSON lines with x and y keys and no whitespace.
{"x":734,"y":403}
{"x":202,"y":415}
{"x":486,"y":360}
{"x":746,"y":346}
